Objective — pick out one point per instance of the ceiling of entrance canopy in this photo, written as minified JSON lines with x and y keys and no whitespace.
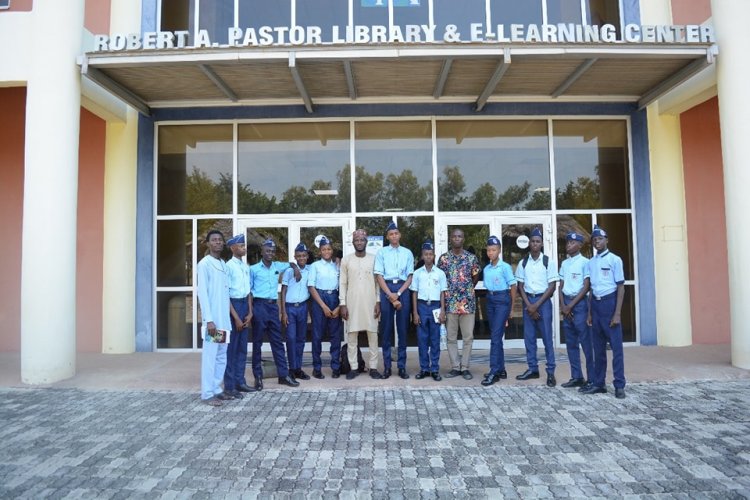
{"x":477,"y":73}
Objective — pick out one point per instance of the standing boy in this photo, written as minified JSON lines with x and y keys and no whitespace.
{"x":574,"y":286}
{"x":323,"y":285}
{"x":429,"y":286}
{"x":213,"y":297}
{"x":608,"y":291}
{"x":394,"y":266}
{"x":501,"y":295}
{"x":294,"y":309}
{"x":537,"y":276}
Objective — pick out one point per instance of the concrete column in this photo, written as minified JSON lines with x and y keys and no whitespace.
{"x":48,"y":270}
{"x":733,"y":74}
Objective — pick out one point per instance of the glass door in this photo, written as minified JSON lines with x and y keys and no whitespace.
{"x":514,"y":232}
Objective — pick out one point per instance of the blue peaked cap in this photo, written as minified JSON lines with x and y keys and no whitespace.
{"x":598,"y":231}
{"x":574,"y":237}
{"x":493,"y":240}
{"x":269,"y":243}
{"x":428,"y":245}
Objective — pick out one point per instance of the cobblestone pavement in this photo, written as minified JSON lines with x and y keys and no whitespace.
{"x":668,"y":440}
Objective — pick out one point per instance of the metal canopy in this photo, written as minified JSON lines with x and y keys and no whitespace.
{"x":469,"y":73}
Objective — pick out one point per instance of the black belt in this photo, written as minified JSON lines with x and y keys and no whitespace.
{"x":296,"y":304}
{"x":429,"y":302}
{"x":534,"y":295}
{"x":604,"y":296}
{"x":264,"y":301}
{"x":329,"y":292}
{"x":498,"y":292}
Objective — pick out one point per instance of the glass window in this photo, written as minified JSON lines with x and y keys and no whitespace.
{"x":255,"y":236}
{"x":324,"y":14}
{"x":462,"y":14}
{"x":217,"y":17}
{"x":174,"y":253}
{"x":177,"y":15}
{"x":591,"y":164}
{"x":411,"y":12}
{"x":394,"y":166}
{"x":195,"y":169}
{"x":507,"y":12}
{"x":493,"y":165}
{"x":174,"y":320}
{"x":601,"y":12}
{"x":627,"y":315}
{"x":370,"y":12}
{"x":564,"y":11}
{"x":579,"y":223}
{"x":294,"y":168}
{"x":257,"y":13}
{"x":619,"y":229}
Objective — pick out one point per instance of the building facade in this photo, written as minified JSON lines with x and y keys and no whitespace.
{"x":131,"y":128}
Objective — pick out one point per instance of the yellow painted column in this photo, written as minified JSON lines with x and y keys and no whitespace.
{"x":48,"y":269}
{"x":673,"y":322}
{"x":732,"y":75}
{"x":120,"y":175}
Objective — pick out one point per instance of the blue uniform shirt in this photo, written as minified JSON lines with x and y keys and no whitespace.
{"x":264,"y":281}
{"x":394,"y":263}
{"x":606,"y":273}
{"x":239,"y":278}
{"x":429,"y":284}
{"x":573,"y":271}
{"x":324,"y":275}
{"x":296,"y":291}
{"x":498,"y":277}
{"x":535,"y":277}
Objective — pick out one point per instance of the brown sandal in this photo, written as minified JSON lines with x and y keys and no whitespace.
{"x":212,"y":402}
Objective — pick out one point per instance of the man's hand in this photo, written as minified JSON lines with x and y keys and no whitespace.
{"x":415,"y":318}
{"x":614,"y":321}
{"x":211,"y":327}
{"x":377,"y":310}
{"x":344,"y":313}
{"x":284,"y":319}
{"x":238,"y":324}
{"x":588,"y":319}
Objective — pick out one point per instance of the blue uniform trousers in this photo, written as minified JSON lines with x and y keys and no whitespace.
{"x":234,"y":376}
{"x":601,"y":314}
{"x":296,"y":331}
{"x":266,"y":320}
{"x":428,"y":336}
{"x":543,"y":325}
{"x":402,"y":324}
{"x":321,"y":325}
{"x":578,"y":333}
{"x":498,"y":310}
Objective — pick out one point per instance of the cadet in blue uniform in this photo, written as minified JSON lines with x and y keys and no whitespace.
{"x":607,"y":293}
{"x":264,"y":312}
{"x":394,"y":266}
{"x":323,"y":285}
{"x":537,"y":275}
{"x":574,"y":286}
{"x":294,"y":309}
{"x":429,"y":285}
{"x":239,"y":290}
{"x":501,"y":295}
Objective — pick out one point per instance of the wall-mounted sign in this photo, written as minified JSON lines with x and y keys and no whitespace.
{"x":522,"y":242}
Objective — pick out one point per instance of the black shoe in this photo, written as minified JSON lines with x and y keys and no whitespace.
{"x":436,"y":376}
{"x":466,"y":374}
{"x":620,"y":392}
{"x":336,"y":374}
{"x":574,"y":382}
{"x":527,"y":375}
{"x":352,"y":375}
{"x":421,"y":375}
{"x":318,"y":374}
{"x":288,"y":381}
{"x":258,"y":384}
{"x":236,"y":394}
{"x":594,"y":389}
{"x":246,"y":388}
{"x":551,"y":380}
{"x":301,"y":375}
{"x":375,"y":375}
{"x":503,"y":374}
{"x":224,"y":396}
{"x":402,"y":373}
{"x":453,"y":373}
{"x":584,"y":387}
{"x":490,"y":379}
{"x":386,"y":374}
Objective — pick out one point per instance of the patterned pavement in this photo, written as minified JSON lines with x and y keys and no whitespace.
{"x":666,"y":440}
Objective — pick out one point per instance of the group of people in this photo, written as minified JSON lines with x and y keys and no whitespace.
{"x":380,"y":293}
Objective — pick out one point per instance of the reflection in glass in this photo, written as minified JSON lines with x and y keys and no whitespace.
{"x":194,"y":169}
{"x":507,"y":12}
{"x":370,"y":12}
{"x":206,"y":225}
{"x":591,"y":164}
{"x":601,"y":12}
{"x":414,"y":14}
{"x":325,"y":14}
{"x":335,"y":234}
{"x":178,"y":15}
{"x":174,"y":253}
{"x":255,"y":236}
{"x":217,"y":17}
{"x":257,"y":13}
{"x":394,"y":166}
{"x":619,"y":229}
{"x":578,"y":223}
{"x":174,"y":320}
{"x":493,"y":165}
{"x":627,"y":315}
{"x":461,"y":14}
{"x":294,"y":168}
{"x":564,"y":11}
{"x":375,"y":227}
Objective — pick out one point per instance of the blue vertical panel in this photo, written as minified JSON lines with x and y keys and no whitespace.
{"x":631,"y":11}
{"x":144,"y":238}
{"x":645,"y":228}
{"x":148,"y":16}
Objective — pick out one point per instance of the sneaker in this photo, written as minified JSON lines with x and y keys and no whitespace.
{"x":375,"y":375}
{"x":351,"y":375}
{"x":466,"y":374}
{"x":452,"y":373}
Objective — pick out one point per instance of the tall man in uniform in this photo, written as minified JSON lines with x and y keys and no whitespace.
{"x":360,"y":302}
{"x":462,"y":270}
{"x":239,"y":291}
{"x":294,"y":309}
{"x":264,"y":312}
{"x":213,"y":297}
{"x":607,"y":294}
{"x":323,"y":284}
{"x":574,"y":286}
{"x":537,"y":279}
{"x":394,"y":266}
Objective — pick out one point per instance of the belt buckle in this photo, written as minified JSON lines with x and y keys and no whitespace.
{"x":395,"y":281}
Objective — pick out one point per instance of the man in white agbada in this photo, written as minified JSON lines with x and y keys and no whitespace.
{"x":213,"y":297}
{"x":359,"y":297}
